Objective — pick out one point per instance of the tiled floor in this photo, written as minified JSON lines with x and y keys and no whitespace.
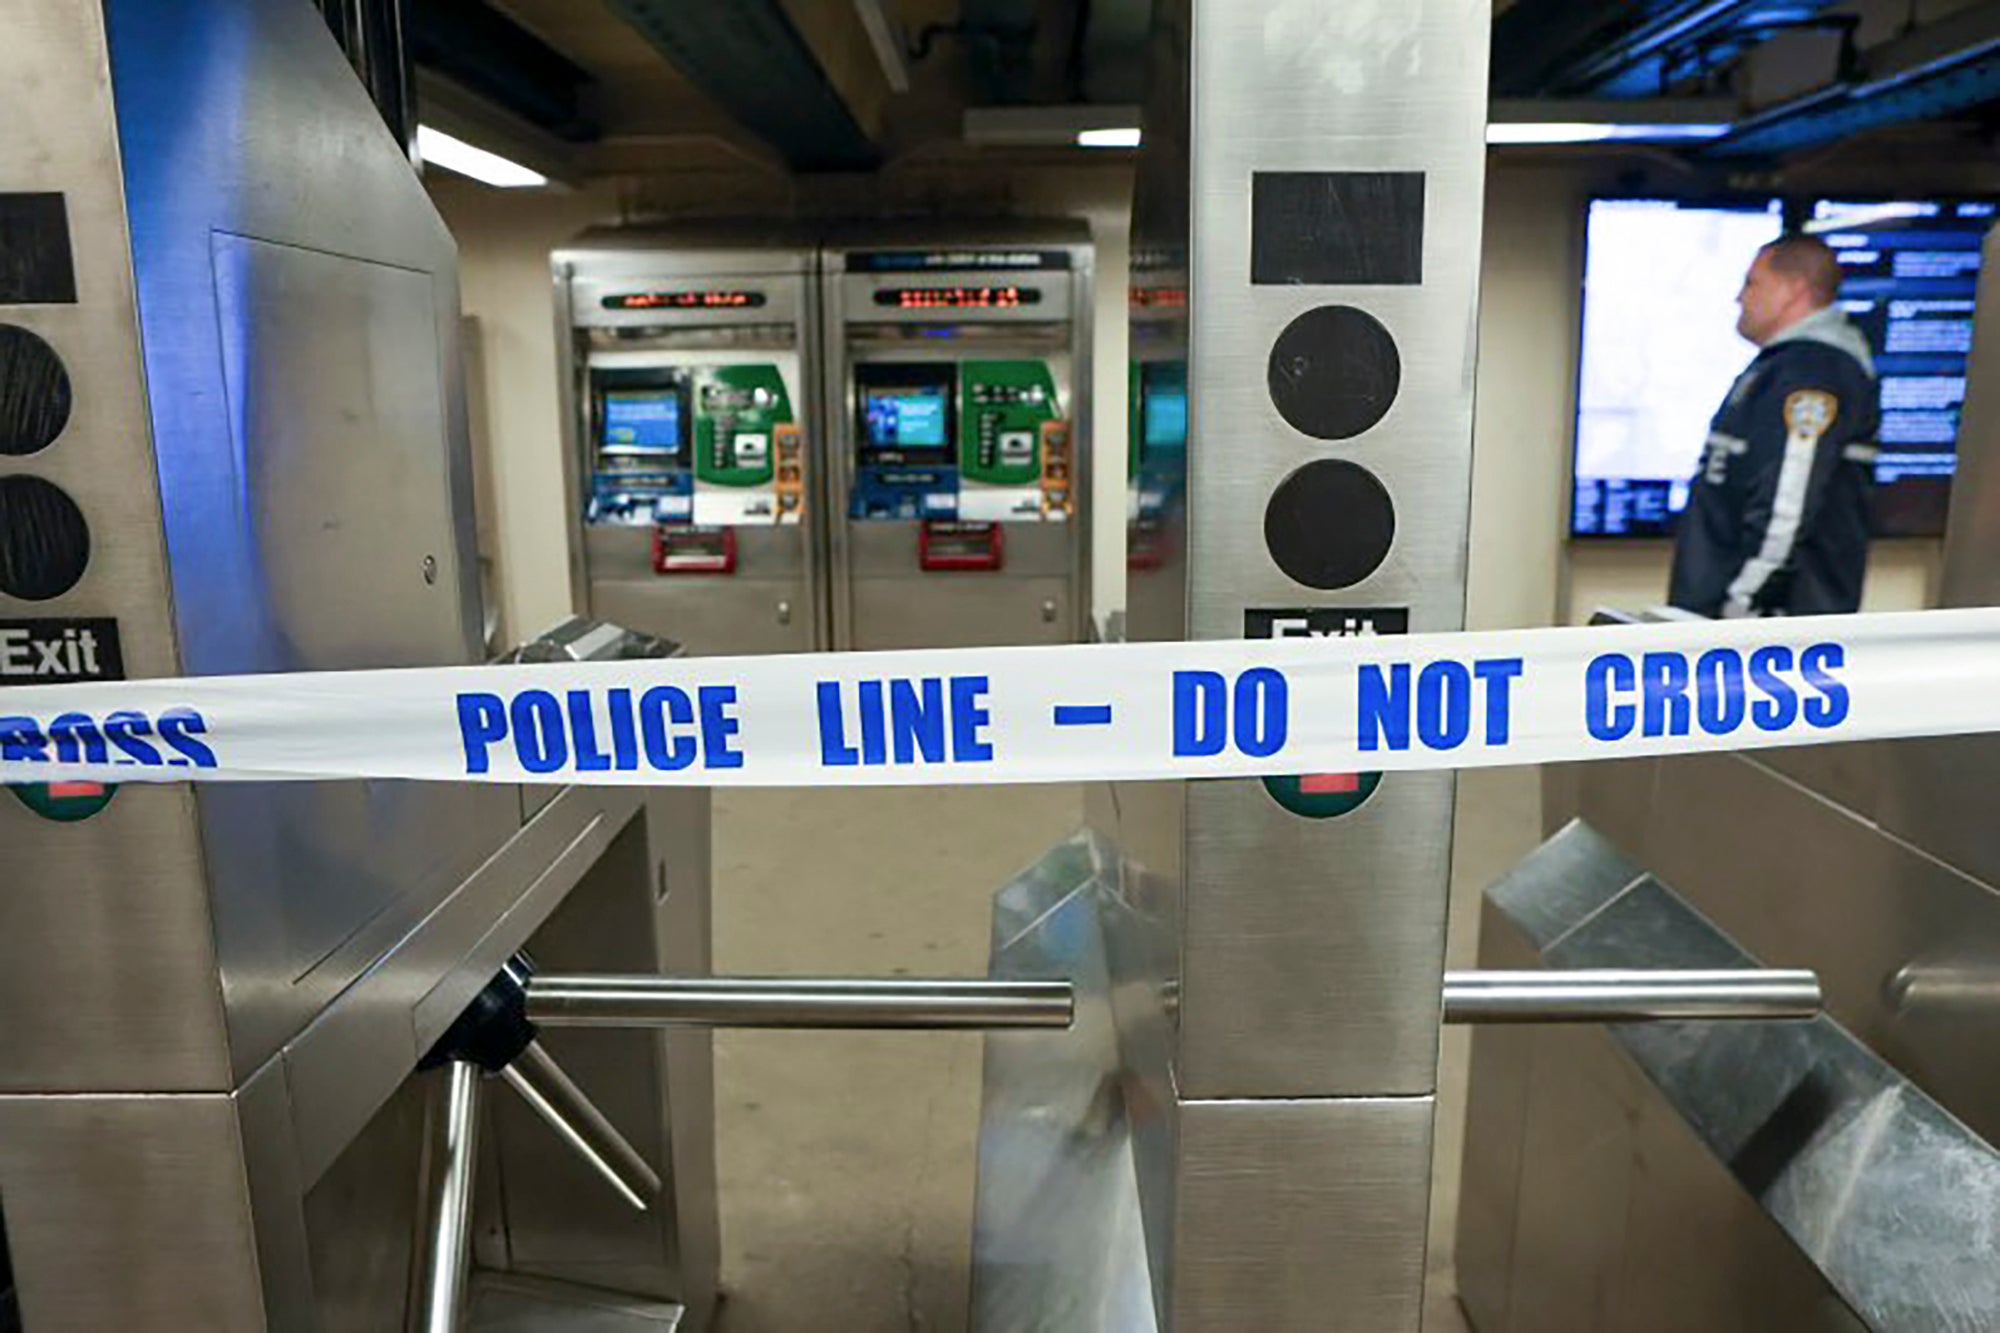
{"x":847,"y":1160}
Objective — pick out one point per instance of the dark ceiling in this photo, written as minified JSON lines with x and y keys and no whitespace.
{"x":850,"y":85}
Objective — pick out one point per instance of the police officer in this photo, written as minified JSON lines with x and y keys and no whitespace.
{"x":1777,"y":522}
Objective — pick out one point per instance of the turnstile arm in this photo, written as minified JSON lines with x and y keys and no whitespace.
{"x":1629,"y":996}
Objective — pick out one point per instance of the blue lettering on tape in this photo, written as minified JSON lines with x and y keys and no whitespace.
{"x":1211,"y":713}
{"x":125,"y":738}
{"x":1665,"y":694}
{"x":1447,"y":697}
{"x":900,"y":721}
{"x":666,"y":727}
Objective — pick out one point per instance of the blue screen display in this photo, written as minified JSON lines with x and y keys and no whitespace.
{"x":1910,"y":279}
{"x":906,"y":418}
{"x":648,"y":420}
{"x":1165,"y":415}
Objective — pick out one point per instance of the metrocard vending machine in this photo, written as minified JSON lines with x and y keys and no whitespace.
{"x":955,"y":378}
{"x":688,"y":406}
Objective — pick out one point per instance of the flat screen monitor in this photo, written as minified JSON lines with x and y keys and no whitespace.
{"x":645,"y":421}
{"x":1910,"y":275}
{"x":906,"y":413}
{"x":1659,"y":351}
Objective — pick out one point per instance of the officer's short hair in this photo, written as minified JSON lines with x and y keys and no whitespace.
{"x":1810,"y":258}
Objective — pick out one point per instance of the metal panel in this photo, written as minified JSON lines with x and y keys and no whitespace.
{"x":115,"y":1203}
{"x":1055,"y":1150}
{"x":109,"y":914}
{"x":562,"y":1220}
{"x":297,"y":345}
{"x":1326,"y":937}
{"x":893,"y":604}
{"x":1762,"y":1175}
{"x":1305,"y":1215}
{"x":1904,"y":945}
{"x":364,"y":1221}
{"x":1499,"y":1084}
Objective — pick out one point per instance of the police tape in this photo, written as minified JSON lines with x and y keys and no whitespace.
{"x":1135,"y":712}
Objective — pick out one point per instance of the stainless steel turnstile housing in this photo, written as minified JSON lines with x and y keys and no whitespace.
{"x":1839,"y":1176}
{"x":235,"y":304}
{"x":1312,"y":178}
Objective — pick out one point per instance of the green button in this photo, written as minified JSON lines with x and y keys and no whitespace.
{"x":1325,"y":795}
{"x":64,"y":802}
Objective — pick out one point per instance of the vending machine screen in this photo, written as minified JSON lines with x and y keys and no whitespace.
{"x":1163,"y":411}
{"x":906,"y":418}
{"x":906,"y":414}
{"x":643,"y":421}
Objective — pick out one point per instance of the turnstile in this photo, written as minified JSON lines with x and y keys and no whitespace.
{"x":691,"y":434}
{"x":234,"y":441}
{"x":956,"y":372}
{"x":1841,"y":1176}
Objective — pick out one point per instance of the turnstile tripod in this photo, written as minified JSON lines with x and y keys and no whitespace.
{"x":496,"y":1036}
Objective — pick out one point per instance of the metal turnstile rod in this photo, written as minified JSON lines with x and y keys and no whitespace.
{"x":1625,"y":996}
{"x":801,"y":1002}
{"x":449,"y":1257}
{"x":557,"y":1100}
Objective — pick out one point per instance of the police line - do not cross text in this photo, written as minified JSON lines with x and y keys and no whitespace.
{"x":1120,"y":712}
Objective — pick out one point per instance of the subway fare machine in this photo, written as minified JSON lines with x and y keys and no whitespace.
{"x":955,"y":377}
{"x":687,"y":410}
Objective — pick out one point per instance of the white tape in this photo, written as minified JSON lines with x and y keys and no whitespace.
{"x":1127,"y":712}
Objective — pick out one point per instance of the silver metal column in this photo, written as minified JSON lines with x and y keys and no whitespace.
{"x":797,"y":1002}
{"x":449,"y":1260}
{"x":1626,"y":995}
{"x":564,"y":1108}
{"x":1316,"y":173}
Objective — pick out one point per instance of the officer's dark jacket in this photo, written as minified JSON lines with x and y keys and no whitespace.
{"x":1777,"y":520}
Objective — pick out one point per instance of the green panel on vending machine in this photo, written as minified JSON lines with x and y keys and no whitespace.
{"x":737,"y":410}
{"x":1002,"y":405}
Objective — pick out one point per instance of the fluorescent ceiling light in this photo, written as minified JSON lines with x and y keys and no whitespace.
{"x":1577,"y":131}
{"x":439,"y":149}
{"x":1123,"y":136}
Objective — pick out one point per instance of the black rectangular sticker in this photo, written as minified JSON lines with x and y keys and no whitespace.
{"x":35,"y":263}
{"x":942,"y":261}
{"x":59,"y":652}
{"x":1325,"y":622}
{"x":1364,"y":228}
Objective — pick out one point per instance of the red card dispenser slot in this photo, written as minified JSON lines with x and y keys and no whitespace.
{"x":686,"y":550}
{"x":958,"y":546}
{"x":1145,"y":545}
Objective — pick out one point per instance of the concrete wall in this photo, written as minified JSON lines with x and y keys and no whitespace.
{"x":504,"y":239}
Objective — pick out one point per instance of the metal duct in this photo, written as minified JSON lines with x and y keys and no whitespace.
{"x":1588,"y":47}
{"x":746,"y":56}
{"x":487,"y":53}
{"x":1948,"y":67}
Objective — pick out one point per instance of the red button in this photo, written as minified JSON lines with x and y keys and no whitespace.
{"x":1329,"y":784}
{"x":73,"y":790}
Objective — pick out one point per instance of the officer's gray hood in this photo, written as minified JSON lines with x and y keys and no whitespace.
{"x":1832,"y":327}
